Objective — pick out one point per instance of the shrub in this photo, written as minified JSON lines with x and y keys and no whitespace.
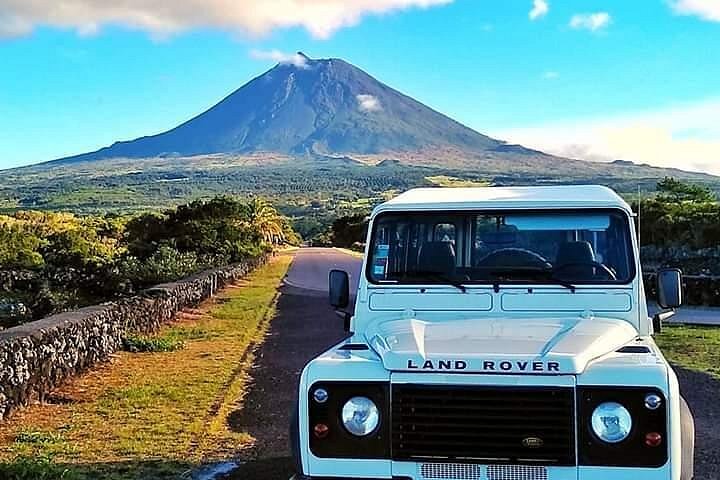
{"x":164,"y":265}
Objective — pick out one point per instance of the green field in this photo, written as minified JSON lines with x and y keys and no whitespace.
{"x":693,"y":347}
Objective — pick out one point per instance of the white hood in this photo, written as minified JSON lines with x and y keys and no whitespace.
{"x":510,"y":346}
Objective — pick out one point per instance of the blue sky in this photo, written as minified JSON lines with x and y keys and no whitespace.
{"x":592,"y":79}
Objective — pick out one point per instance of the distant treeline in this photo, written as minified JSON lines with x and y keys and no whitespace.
{"x":51,"y":262}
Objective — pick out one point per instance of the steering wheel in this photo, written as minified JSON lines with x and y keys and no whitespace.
{"x":514,"y":257}
{"x":610,"y":274}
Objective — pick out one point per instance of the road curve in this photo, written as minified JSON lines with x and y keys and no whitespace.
{"x":310,"y":269}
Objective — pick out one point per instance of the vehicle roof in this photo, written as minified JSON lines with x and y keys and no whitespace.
{"x":489,"y":198}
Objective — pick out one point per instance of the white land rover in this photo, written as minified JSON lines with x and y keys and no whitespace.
{"x":498,"y":334}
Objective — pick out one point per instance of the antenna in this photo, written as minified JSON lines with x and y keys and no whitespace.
{"x":639,"y":216}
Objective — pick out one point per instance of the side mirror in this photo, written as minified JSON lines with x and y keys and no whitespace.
{"x":339,"y":289}
{"x":669,"y":288}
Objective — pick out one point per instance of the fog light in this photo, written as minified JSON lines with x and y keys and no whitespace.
{"x":653,"y":439}
{"x":321,"y":430}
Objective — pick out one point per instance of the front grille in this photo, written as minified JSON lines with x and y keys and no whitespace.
{"x":484,"y":424}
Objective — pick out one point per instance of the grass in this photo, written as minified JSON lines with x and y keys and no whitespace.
{"x":36,"y":468}
{"x":153,"y":415}
{"x":693,"y":347}
{"x":145,"y":343}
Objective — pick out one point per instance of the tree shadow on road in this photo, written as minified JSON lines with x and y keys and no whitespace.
{"x":304,"y":326}
{"x":273,"y":468}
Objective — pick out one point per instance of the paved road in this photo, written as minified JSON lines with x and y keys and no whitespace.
{"x":306,"y":325}
{"x":312,"y":265}
{"x":693,"y":315}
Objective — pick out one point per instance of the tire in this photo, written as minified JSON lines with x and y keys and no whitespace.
{"x":294,"y":438}
{"x":687,"y":441}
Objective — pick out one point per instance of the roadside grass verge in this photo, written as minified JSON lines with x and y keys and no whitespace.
{"x":692,"y":347}
{"x":157,"y":414}
{"x":150,"y":343}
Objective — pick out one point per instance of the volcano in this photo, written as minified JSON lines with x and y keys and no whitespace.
{"x":323,"y":107}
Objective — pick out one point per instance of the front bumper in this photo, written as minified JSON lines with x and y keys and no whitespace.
{"x":419,"y":471}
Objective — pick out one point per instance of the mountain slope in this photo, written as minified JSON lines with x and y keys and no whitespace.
{"x":327,"y":107}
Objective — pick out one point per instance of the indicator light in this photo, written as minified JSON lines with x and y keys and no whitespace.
{"x":652,"y":401}
{"x":320,"y":395}
{"x":653,"y":439}
{"x":321,"y":431}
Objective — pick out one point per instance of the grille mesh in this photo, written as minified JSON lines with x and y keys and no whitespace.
{"x":451,"y":471}
{"x":509,"y":425}
{"x":460,"y":471}
{"x":516,"y":472}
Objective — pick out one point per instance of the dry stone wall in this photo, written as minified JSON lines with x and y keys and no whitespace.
{"x":38,"y":356}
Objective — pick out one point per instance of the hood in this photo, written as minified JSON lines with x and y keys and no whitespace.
{"x":511,"y":346}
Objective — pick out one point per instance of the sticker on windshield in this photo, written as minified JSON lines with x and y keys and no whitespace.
{"x":381,"y":260}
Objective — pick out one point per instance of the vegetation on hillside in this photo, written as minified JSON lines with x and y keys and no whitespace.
{"x":50,"y":262}
{"x":312,"y":192}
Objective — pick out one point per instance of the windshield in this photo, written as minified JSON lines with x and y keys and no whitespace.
{"x":581,"y":247}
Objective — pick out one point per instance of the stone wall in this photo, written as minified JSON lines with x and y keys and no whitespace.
{"x":38,"y":356}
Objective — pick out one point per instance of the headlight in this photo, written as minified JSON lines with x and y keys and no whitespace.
{"x":360,"y":416}
{"x":611,"y":422}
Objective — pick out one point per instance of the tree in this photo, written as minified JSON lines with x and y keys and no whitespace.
{"x":681,"y":215}
{"x":676,"y":191}
{"x":18,"y":248}
{"x":346,"y":231}
{"x":266,"y":221}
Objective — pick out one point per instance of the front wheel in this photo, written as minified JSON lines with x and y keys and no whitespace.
{"x":687,"y":471}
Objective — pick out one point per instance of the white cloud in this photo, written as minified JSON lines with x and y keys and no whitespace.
{"x":13,"y":26}
{"x":295,"y":59}
{"x":164,"y":17}
{"x":540,"y":9}
{"x":590,"y":21}
{"x":368,"y":103}
{"x":682,"y":136}
{"x":550,"y":75}
{"x":705,"y":9}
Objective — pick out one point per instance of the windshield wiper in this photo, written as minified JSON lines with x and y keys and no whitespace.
{"x":534,"y":275}
{"x":432,"y":275}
